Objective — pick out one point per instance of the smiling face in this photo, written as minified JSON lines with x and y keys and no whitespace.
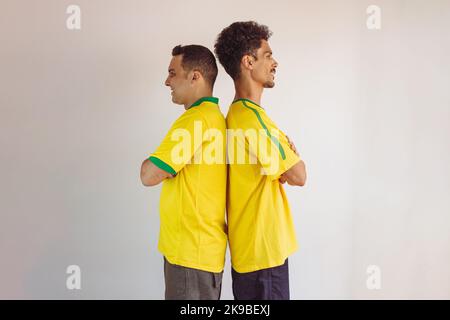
{"x":178,"y":81}
{"x":264,"y":67}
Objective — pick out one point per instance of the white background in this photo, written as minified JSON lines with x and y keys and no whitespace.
{"x":369,"y":111}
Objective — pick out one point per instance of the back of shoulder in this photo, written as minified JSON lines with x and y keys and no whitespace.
{"x":211,"y":115}
{"x":190,"y":115}
{"x":242,"y":116}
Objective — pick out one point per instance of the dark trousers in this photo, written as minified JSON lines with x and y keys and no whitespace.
{"x":184,"y":283}
{"x":265,"y":284}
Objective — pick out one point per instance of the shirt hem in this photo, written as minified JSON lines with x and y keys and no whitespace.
{"x":272,"y":264}
{"x":189,"y":264}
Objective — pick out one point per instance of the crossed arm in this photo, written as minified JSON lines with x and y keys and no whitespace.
{"x":295,"y":176}
{"x":151,"y":175}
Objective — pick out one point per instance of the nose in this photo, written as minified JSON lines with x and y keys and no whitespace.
{"x":167,"y":82}
{"x":275,"y":63}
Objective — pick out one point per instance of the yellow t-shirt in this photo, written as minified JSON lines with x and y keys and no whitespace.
{"x":260,"y":227}
{"x":192,"y":203}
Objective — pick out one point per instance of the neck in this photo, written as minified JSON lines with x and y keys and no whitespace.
{"x":250,"y":90}
{"x":204,"y":92}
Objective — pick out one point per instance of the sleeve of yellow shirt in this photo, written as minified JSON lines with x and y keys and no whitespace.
{"x":273,"y":151}
{"x":180,"y":143}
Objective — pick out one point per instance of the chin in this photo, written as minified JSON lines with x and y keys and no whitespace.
{"x":269,"y":84}
{"x":175,"y":101}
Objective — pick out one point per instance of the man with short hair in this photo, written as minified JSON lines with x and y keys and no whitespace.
{"x":192,"y":205}
{"x":260,"y":227}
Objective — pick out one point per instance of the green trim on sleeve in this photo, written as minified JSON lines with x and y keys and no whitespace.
{"x":162,"y":165}
{"x":275,"y":140}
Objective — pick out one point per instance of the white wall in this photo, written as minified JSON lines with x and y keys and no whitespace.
{"x":368,"y":110}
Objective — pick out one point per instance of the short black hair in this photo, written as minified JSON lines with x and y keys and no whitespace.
{"x":200,"y":58}
{"x":237,"y":40}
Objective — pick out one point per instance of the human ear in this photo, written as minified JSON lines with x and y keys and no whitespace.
{"x":247,"y":61}
{"x":196,"y":75}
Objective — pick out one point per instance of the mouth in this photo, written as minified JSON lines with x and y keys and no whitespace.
{"x":272,"y":72}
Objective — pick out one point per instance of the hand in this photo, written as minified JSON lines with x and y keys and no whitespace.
{"x":282,"y":179}
{"x":292,"y":145}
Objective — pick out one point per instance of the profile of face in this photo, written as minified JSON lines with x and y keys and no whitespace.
{"x":178,"y":80}
{"x":264,"y":66}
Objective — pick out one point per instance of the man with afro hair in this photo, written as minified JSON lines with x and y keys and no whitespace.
{"x":261,"y":232}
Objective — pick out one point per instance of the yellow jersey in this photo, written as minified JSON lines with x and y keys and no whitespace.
{"x":192,"y":203}
{"x":260,"y":227}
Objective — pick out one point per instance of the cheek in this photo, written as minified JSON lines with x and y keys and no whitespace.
{"x":262,"y":72}
{"x":176,"y":83}
{"x":183,"y":84}
{"x":180,"y":85}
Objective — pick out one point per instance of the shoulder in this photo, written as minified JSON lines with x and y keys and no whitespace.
{"x":245,"y":114}
{"x":211,"y":115}
{"x":190,"y":115}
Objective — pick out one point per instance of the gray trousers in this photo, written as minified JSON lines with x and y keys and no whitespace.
{"x":184,"y":283}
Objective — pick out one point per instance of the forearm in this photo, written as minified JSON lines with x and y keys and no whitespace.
{"x":295,"y":176}
{"x":151,"y":175}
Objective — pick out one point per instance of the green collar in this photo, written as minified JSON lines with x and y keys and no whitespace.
{"x":201,"y":100}
{"x":248,"y":100}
